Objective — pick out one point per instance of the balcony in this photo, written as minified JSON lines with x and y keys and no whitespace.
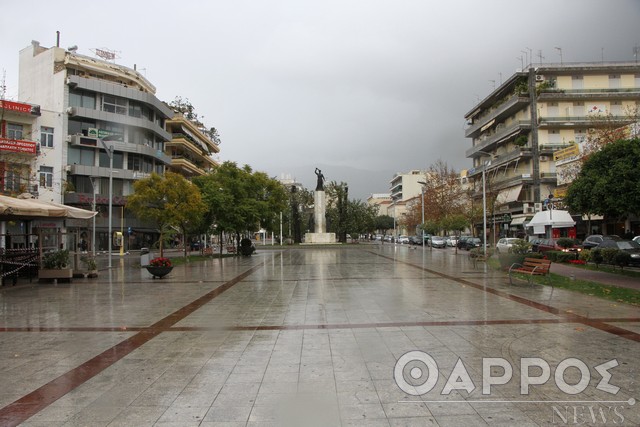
{"x":588,"y":94}
{"x":583,"y":121}
{"x":187,"y":166}
{"x":500,"y":136}
{"x":508,"y":108}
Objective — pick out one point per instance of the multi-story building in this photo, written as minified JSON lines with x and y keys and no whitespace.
{"x":517,"y":128}
{"x":94,"y":114}
{"x":191,"y":147}
{"x":19,"y":147}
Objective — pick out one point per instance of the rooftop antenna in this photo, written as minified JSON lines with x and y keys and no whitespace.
{"x":559,"y":49}
{"x":526,"y":57}
{"x":521,"y":61}
{"x":494,"y":84}
{"x":636,"y":50}
{"x":540,"y":56}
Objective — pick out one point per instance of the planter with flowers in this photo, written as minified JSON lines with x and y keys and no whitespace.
{"x":159,"y":267}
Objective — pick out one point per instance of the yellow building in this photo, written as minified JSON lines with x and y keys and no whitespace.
{"x":516,"y":130}
{"x":191,"y":148}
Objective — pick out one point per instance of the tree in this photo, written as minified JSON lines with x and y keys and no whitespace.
{"x":609,"y":183}
{"x":383,"y":223}
{"x":166,"y":200}
{"x":240,"y":200}
{"x":442,"y":191}
{"x":184,"y":107}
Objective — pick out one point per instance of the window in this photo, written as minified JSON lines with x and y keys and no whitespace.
{"x":114,"y":104}
{"x":134,"y":162}
{"x":46,"y":176}
{"x":135,"y":109}
{"x":12,"y":180}
{"x":14,"y":131}
{"x":81,"y":156}
{"x":46,"y":137}
{"x":80,"y":98}
{"x":118,"y":159}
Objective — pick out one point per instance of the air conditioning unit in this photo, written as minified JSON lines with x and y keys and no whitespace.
{"x":71,"y":111}
{"x":540,"y":78}
{"x":529,"y":209}
{"x":70,"y":83}
{"x":69,"y":138}
{"x":537,"y":207}
{"x":67,"y":168}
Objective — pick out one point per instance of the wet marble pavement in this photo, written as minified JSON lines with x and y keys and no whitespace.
{"x":355,"y":336}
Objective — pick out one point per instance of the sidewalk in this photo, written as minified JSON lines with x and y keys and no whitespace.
{"x":596,"y":276}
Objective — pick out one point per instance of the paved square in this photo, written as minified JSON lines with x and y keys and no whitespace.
{"x":313,"y":337}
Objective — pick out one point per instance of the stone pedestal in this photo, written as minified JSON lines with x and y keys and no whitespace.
{"x":320,"y":235}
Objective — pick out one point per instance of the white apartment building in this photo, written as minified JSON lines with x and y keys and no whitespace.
{"x":87,"y":103}
{"x":518,"y":127}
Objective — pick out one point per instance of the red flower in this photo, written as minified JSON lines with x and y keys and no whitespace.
{"x":160,"y":262}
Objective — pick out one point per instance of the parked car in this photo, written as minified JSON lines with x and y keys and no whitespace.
{"x":505,"y":244}
{"x":544,"y":245}
{"x":470,"y":243}
{"x":403,"y":239}
{"x":452,"y":241}
{"x":595,"y":239}
{"x":637,"y":239}
{"x":461,"y":240}
{"x":437,"y":242}
{"x":416,"y":240}
{"x":633,"y":248}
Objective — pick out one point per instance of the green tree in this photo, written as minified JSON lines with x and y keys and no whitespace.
{"x":240,"y":200}
{"x":608,"y":183}
{"x":383,"y":223}
{"x":166,"y":200}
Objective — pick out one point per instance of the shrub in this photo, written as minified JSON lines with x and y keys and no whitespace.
{"x":585,"y":255}
{"x":520,"y":246}
{"x":56,"y":259}
{"x":565,"y":242}
{"x":596,"y":256}
{"x":609,"y":255}
{"x":559,"y":256}
{"x":622,"y":259}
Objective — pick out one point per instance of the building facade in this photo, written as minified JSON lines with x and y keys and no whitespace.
{"x":516,"y":130}
{"x":190,"y":148}
{"x":97,"y":114}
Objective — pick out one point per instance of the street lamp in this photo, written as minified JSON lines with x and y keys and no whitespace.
{"x":422,"y":226}
{"x":93,"y":232}
{"x":484,"y":203}
{"x":109,"y":150}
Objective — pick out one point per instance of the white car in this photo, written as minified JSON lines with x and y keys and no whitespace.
{"x":403,"y":239}
{"x":452,"y":241}
{"x":504,"y":245}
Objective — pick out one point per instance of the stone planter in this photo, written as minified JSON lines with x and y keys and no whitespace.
{"x":158,"y":272}
{"x":55,"y":274}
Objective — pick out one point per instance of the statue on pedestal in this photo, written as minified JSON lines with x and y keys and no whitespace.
{"x":320,"y":184}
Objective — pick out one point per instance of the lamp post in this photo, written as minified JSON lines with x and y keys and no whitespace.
{"x":93,"y":231}
{"x":109,"y":150}
{"x":484,"y":203}
{"x":422,"y":183}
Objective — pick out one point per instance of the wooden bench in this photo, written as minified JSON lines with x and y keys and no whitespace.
{"x":531,"y":267}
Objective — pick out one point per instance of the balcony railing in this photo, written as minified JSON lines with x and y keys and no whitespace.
{"x":505,"y":107}
{"x":499,"y":136}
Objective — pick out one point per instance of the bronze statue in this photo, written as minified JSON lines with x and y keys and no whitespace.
{"x":320,"y":184}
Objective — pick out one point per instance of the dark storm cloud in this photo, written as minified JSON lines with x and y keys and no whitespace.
{"x":374,"y":85}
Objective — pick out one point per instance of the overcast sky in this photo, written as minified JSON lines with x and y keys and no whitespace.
{"x":379,"y":86}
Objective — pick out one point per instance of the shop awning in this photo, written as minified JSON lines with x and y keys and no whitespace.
{"x":509,"y":195}
{"x":554,"y":218}
{"x":593,"y":217}
{"x":23,"y":206}
{"x":518,"y":221}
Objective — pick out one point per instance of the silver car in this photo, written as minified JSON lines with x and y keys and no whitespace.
{"x":505,"y":244}
{"x":438,"y":242}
